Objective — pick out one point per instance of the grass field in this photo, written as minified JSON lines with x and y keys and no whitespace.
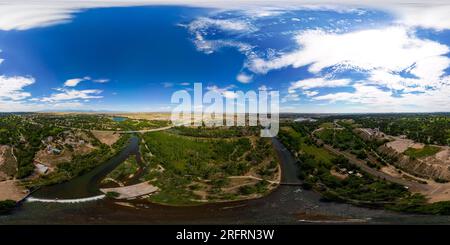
{"x":427,"y":150}
{"x":327,"y":125}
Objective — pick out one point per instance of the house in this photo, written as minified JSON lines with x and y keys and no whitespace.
{"x":56,"y":151}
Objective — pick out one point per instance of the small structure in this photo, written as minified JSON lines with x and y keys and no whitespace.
{"x":41,"y":168}
{"x":370,"y":134}
{"x":51,"y":149}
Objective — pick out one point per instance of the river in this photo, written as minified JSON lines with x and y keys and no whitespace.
{"x":285,"y":205}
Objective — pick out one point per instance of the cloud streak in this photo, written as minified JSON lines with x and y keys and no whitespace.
{"x":73,"y":94}
{"x":11,"y":88}
{"x":24,"y":15}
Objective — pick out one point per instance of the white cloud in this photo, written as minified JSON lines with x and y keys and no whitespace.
{"x":23,"y":14}
{"x":384,"y":55}
{"x":167,"y":84}
{"x":312,"y":83}
{"x":426,"y":16}
{"x":225,"y":91}
{"x":318,"y":83}
{"x":11,"y":88}
{"x":230,"y":25}
{"x":73,"y":94}
{"x":215,"y":88}
{"x":14,"y":98}
{"x":199,"y":28}
{"x":210,"y":46}
{"x":374,"y":99}
{"x":229,"y":94}
{"x":393,"y":59}
{"x":101,"y":80}
{"x":363,"y":94}
{"x":310,"y":93}
{"x":264,"y":88}
{"x":244,"y":78}
{"x":392,"y":49}
{"x":73,"y":82}
{"x":264,"y":12}
{"x":290,"y":97}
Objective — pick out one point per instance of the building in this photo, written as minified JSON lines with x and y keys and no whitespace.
{"x":370,"y":134}
{"x":41,"y":168}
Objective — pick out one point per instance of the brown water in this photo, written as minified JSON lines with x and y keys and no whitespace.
{"x":286,"y":205}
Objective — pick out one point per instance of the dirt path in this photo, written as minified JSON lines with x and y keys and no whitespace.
{"x":253,"y":177}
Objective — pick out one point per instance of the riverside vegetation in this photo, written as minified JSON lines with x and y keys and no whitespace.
{"x":339,"y":180}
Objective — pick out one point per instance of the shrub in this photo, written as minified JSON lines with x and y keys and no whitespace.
{"x":7,"y":206}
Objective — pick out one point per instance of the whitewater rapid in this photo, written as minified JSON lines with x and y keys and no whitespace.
{"x":77,"y":200}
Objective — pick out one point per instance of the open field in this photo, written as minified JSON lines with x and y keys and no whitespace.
{"x":12,"y":190}
{"x":427,"y":150}
{"x":145,"y":115}
{"x":130,"y":192}
{"x":400,"y":145}
{"x":106,"y":137}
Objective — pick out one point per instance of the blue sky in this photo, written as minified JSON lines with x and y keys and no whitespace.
{"x":132,"y":58}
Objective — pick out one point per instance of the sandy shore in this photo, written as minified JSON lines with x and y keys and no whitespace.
{"x":132,"y":191}
{"x":10,"y":190}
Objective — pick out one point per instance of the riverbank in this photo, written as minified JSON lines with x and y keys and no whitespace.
{"x":12,"y":190}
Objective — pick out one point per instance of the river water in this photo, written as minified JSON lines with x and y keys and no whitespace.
{"x":285,"y":205}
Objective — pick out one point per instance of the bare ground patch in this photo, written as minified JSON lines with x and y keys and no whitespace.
{"x":106,"y":137}
{"x":132,"y":191}
{"x":11,"y":190}
{"x":146,"y":115}
{"x":400,"y":145}
{"x":8,"y":163}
